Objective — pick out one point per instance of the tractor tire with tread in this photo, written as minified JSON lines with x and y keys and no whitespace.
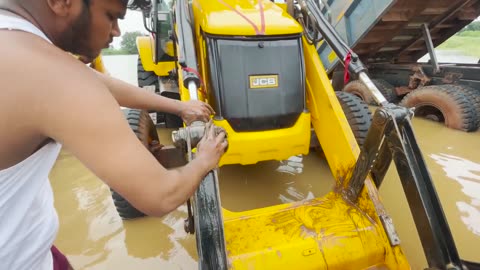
{"x":359,"y":89}
{"x":387,"y":90}
{"x":146,"y":78}
{"x":472,"y":95}
{"x":443,"y":103}
{"x":142,"y":125}
{"x":358,"y":115}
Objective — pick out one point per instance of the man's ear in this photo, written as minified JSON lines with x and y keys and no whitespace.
{"x":60,"y":7}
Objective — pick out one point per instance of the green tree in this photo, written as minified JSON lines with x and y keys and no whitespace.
{"x":474,"y":26}
{"x":128,"y":43}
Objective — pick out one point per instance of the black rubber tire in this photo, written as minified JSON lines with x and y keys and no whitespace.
{"x":358,"y":115}
{"x":142,"y":125}
{"x":472,"y":95}
{"x":146,"y":78}
{"x":359,"y":89}
{"x":443,"y":104}
{"x":387,"y":90}
{"x":171,"y":120}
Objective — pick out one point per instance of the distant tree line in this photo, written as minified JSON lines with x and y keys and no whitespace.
{"x":128,"y":45}
{"x":474,"y":26}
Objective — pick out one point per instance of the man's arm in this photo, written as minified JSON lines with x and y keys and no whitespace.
{"x":131,"y":96}
{"x":87,"y":120}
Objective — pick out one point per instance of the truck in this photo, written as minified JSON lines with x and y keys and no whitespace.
{"x":389,"y":37}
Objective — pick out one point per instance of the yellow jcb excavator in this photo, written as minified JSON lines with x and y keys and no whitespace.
{"x":255,"y":62}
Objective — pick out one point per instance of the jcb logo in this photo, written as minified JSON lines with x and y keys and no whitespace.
{"x":263,"y":81}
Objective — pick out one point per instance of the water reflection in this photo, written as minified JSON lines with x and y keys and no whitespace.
{"x":292,"y":166}
{"x":84,"y":213}
{"x":93,"y":236}
{"x":467,"y":174}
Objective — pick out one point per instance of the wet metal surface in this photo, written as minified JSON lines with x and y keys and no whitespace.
{"x":437,"y":141}
{"x":94,"y":237}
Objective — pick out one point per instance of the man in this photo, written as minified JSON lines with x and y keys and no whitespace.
{"x":50,"y":99}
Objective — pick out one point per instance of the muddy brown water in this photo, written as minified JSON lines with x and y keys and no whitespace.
{"x":94,"y":237}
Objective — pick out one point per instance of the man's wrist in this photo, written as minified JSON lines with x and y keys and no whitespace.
{"x":167,"y":105}
{"x":205,"y":166}
{"x":178,"y":105}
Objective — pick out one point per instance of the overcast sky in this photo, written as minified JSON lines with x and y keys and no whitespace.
{"x":133,"y":22}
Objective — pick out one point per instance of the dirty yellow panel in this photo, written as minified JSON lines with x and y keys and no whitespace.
{"x":324,"y":233}
{"x":280,"y":144}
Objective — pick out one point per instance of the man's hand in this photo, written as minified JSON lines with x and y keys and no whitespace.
{"x":212,"y":146}
{"x":194,"y":110}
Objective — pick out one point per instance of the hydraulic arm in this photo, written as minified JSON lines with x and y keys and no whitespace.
{"x":390,"y":137}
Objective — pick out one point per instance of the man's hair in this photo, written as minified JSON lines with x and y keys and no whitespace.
{"x":87,"y":2}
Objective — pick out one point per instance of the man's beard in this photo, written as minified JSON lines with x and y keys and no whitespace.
{"x":75,"y":38}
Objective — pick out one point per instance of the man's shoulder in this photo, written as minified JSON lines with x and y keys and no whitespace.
{"x":27,"y":53}
{"x":43,"y":78}
{"x":41,"y":68}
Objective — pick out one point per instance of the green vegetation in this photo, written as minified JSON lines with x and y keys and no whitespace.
{"x":467,"y":42}
{"x":128,"y":45}
{"x":474,"y":26}
{"x":113,"y":51}
{"x":129,"y":42}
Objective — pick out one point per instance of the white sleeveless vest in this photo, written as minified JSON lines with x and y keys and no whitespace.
{"x":28,"y":220}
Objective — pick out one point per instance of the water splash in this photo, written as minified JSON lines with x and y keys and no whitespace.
{"x":293,"y":165}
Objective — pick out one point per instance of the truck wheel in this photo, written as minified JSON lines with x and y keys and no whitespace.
{"x":146,"y":78}
{"x":360,"y":90}
{"x":141,"y":123}
{"x":358,"y":115}
{"x":443,"y":104}
{"x":472,"y":95}
{"x":387,"y":90}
